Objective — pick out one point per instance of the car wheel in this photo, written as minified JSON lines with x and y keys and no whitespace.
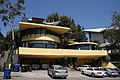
{"x":64,"y":77}
{"x":35,"y":68}
{"x":48,"y":72}
{"x":93,"y":75}
{"x":82,"y":72}
{"x":52,"y":76}
{"x":103,"y":76}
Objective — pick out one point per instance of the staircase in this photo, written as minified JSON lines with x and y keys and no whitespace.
{"x":3,"y":59}
{"x":10,"y":57}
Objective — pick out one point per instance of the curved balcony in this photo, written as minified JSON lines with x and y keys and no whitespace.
{"x":46,"y":37}
{"x":60,"y":53}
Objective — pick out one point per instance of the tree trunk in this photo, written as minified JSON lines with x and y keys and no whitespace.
{"x":12,"y":29}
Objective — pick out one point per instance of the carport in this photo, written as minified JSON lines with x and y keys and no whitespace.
{"x":44,"y":55}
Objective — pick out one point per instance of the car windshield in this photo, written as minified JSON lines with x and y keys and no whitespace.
{"x":60,"y":68}
{"x":85,"y":65}
{"x":104,"y":69}
{"x":97,"y":69}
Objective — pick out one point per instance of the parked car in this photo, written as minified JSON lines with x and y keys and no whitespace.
{"x":82,"y":67}
{"x":94,"y":72}
{"x":44,"y":66}
{"x":117,"y":70}
{"x":112,"y":72}
{"x":35,"y":66}
{"x":58,"y":71}
{"x":104,"y":70}
{"x":26,"y":68}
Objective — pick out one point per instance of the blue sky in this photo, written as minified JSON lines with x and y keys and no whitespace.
{"x":87,"y":13}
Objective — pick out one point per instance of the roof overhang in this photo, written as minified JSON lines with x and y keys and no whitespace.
{"x":56,"y":29}
{"x":97,"y":30}
{"x":77,"y":43}
{"x":60,"y":53}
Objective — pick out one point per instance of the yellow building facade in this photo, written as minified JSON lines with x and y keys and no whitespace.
{"x":41,"y":43}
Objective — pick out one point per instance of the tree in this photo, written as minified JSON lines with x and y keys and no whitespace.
{"x":65,"y":21}
{"x":76,"y":31}
{"x":106,"y":58}
{"x":9,"y":10}
{"x":77,"y":34}
{"x":112,"y":34}
{"x":17,"y":37}
{"x":53,"y":17}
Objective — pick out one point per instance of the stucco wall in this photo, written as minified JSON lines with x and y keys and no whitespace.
{"x":97,"y":36}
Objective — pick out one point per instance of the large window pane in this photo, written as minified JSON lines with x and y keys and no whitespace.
{"x":37,"y":45}
{"x":41,"y":44}
{"x":51,"y":46}
{"x":34,"y":31}
{"x":38,"y":31}
{"x":83,"y":47}
{"x":43,"y":31}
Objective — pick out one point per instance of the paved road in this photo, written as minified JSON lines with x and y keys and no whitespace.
{"x":42,"y":75}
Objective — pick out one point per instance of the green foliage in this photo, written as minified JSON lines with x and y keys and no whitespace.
{"x":96,"y":41}
{"x":10,"y":10}
{"x":116,"y":19}
{"x":7,"y":41}
{"x":106,"y":58}
{"x":65,"y":21}
{"x":113,"y":33}
{"x":109,"y":34}
{"x":53,"y":17}
{"x":17,"y":37}
{"x":75,"y":32}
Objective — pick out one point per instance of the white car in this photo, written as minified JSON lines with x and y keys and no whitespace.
{"x":82,"y":67}
{"x":35,"y":66}
{"x":44,"y":66}
{"x":58,"y":71}
{"x":94,"y":72}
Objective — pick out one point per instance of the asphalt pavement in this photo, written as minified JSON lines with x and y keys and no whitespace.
{"x":42,"y":75}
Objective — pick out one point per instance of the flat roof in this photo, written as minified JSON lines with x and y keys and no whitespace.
{"x":94,"y":30}
{"x":56,"y":29}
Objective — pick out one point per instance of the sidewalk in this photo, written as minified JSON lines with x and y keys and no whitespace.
{"x":13,"y":75}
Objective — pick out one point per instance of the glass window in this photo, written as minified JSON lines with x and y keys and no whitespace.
{"x":50,"y":46}
{"x":60,"y":68}
{"x":37,"y":45}
{"x":41,"y":44}
{"x":89,"y":69}
{"x":27,"y":32}
{"x":97,"y":69}
{"x":38,"y":31}
{"x":43,"y":31}
{"x":82,"y":47}
{"x":34,"y":31}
